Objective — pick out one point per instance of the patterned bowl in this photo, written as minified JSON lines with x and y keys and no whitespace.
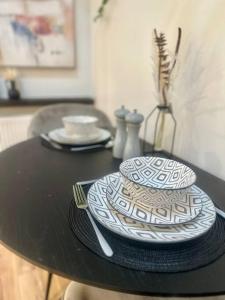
{"x":158,"y":182}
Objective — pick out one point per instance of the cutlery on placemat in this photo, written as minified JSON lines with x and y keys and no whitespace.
{"x":81,"y":202}
{"x":87,"y":181}
{"x":82,"y":148}
{"x":220,"y":212}
{"x":76,"y":149}
{"x":52,"y":143}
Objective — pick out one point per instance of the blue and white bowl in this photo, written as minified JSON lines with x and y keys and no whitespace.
{"x":158,"y":182}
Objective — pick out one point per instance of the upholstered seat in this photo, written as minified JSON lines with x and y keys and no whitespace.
{"x":13,"y":130}
{"x":50,"y":117}
{"x":76,"y":291}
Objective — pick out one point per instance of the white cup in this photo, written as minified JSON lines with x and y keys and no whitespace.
{"x":80,"y":125}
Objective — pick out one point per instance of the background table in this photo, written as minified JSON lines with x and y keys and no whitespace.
{"x":35,"y":194}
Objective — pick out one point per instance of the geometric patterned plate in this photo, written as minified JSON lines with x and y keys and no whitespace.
{"x":182,"y":211}
{"x":158,"y":172}
{"x":113,"y":220}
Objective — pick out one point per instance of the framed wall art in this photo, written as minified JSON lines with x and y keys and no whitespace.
{"x":37,"y":33}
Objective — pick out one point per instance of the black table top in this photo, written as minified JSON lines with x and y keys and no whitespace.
{"x":35,"y":194}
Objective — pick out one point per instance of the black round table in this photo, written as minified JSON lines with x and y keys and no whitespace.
{"x":35,"y":194}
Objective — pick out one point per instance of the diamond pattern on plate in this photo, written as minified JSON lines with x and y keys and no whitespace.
{"x":130,"y":228}
{"x":185,"y":210}
{"x":157,"y":172}
{"x":155,"y":197}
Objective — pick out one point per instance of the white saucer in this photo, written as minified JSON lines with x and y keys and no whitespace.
{"x":59,"y":136}
{"x":62,"y":134}
{"x":124,"y":226}
{"x":180,"y":212}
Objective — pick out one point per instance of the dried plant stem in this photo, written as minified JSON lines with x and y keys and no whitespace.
{"x":101,"y":10}
{"x":176,"y":49}
{"x":160,"y":133}
{"x":165,"y":65}
{"x":164,"y":96}
{"x":159,"y":62}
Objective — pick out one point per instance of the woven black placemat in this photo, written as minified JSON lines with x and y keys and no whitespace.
{"x":141,"y":256}
{"x":67,"y":148}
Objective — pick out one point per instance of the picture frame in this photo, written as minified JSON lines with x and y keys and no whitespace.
{"x":37,"y":34}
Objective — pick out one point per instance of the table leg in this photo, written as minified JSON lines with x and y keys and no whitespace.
{"x":49,"y":281}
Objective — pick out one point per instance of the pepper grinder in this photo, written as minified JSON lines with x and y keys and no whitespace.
{"x":121,"y":132}
{"x":133,"y":147}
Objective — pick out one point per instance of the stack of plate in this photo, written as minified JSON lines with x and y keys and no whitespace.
{"x":152,"y":199}
{"x":79,"y":130}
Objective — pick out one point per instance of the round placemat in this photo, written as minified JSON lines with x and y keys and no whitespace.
{"x":141,"y":256}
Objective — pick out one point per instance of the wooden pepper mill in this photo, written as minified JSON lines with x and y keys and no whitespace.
{"x":133,"y":147}
{"x":121,"y":132}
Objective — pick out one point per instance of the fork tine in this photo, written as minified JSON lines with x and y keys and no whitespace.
{"x":82,"y":194}
{"x":76,"y":195}
{"x":74,"y":192}
{"x":79,"y":195}
{"x":81,"y":191}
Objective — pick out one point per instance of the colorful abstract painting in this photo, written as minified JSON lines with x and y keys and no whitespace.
{"x":37,"y":33}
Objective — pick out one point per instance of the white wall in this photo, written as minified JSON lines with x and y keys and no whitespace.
{"x":123,"y":69}
{"x":63,"y":83}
